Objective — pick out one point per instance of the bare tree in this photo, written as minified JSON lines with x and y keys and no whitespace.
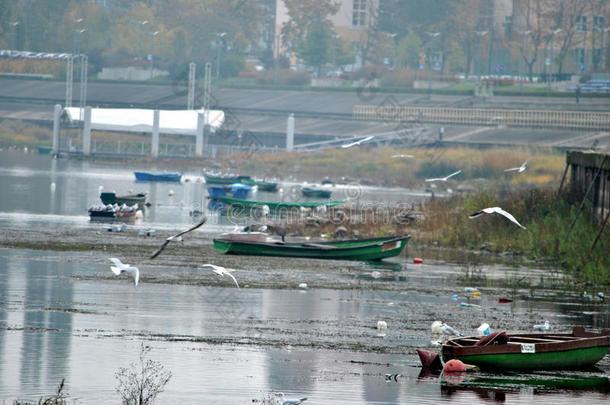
{"x":563,"y":16}
{"x":142,"y":382}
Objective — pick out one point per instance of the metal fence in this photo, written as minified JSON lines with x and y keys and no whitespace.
{"x":584,"y":120}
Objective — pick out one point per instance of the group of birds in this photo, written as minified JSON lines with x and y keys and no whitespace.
{"x":119,"y":267}
{"x":490,"y":210}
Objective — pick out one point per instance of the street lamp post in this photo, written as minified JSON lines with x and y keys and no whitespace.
{"x":480,"y":35}
{"x":141,"y":24}
{"x":219,"y":36}
{"x":152,"y":51}
{"x":432,"y":35}
{"x":14,"y":24}
{"x":522,"y":59}
{"x":276,"y":73}
{"x":550,"y":78}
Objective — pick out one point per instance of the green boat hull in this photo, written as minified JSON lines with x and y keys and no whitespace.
{"x":227,"y":180}
{"x":575,"y":358}
{"x":365,"y":249}
{"x":309,"y":192}
{"x":242,"y":207}
{"x":261,"y":185}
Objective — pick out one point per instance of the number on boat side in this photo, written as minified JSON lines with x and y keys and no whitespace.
{"x":528,"y":348}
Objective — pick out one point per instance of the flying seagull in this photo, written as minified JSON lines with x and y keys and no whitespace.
{"x":519,"y":169}
{"x":402,"y":156}
{"x":446,"y":177}
{"x":120,"y":267}
{"x":496,"y":210}
{"x":361,"y":141}
{"x":221,"y":271}
{"x":176,"y":236}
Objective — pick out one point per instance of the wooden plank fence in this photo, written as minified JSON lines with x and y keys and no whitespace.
{"x":582,"y":120}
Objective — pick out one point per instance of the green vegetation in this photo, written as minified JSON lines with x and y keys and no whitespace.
{"x":547,"y":217}
{"x":377,"y":166}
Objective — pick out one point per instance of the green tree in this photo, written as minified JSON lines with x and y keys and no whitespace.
{"x":410,"y":49}
{"x":304,"y":13}
{"x":315,"y":48}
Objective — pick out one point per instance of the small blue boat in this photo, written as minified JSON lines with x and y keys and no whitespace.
{"x":143,"y":176}
{"x":237,"y":190}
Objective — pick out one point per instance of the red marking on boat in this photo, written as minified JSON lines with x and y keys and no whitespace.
{"x":418,"y":260}
{"x":503,"y":300}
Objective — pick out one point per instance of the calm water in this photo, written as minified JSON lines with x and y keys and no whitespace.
{"x":63,"y":315}
{"x":28,"y":198}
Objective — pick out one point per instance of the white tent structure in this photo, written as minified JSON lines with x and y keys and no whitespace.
{"x":182,"y":122}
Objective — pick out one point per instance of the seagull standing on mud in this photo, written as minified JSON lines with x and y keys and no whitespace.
{"x":496,"y":210}
{"x":446,"y":177}
{"x":357,"y":143}
{"x":221,"y":271}
{"x":120,"y":267}
{"x":519,"y":169}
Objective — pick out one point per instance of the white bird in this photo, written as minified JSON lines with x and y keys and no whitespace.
{"x":496,"y":210}
{"x":221,"y":271}
{"x":120,"y":267}
{"x":446,"y":177}
{"x":290,"y":401}
{"x":381,"y":325}
{"x":360,"y":142}
{"x":402,"y":156}
{"x":448,"y":330}
{"x":544,"y":326}
{"x":436,"y":327}
{"x":519,"y":169}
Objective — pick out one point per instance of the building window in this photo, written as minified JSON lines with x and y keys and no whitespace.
{"x":579,"y":56}
{"x":599,"y":22}
{"x":359,"y":13}
{"x":581,"y":23}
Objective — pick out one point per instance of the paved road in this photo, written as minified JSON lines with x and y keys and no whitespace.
{"x":318,"y":114}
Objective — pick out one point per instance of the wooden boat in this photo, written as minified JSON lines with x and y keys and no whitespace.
{"x":539,"y":351}
{"x":111,"y":212}
{"x":128,"y":199}
{"x":211,"y":179}
{"x":315,"y":192}
{"x":274,"y":207}
{"x":247,"y":180}
{"x":143,"y":176}
{"x":358,"y":249}
{"x":262,"y":185}
{"x":236,"y":190}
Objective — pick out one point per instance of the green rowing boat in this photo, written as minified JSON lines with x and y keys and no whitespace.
{"x":210,"y":179}
{"x":315,"y":192}
{"x":358,"y":249}
{"x":241,"y":206}
{"x":540,"y":351}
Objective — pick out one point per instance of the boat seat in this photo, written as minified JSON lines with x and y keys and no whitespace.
{"x":497,"y":337}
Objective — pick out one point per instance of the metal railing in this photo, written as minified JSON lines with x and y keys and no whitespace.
{"x":585,"y":120}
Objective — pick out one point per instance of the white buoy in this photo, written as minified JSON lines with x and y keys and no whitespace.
{"x":382,"y":325}
{"x":53,"y":187}
{"x":170,"y":193}
{"x":303,"y":286}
